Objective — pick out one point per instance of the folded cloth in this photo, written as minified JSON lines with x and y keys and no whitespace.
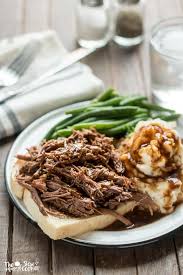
{"x":76,"y":83}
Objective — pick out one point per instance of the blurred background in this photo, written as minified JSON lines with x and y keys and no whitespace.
{"x":21,"y":16}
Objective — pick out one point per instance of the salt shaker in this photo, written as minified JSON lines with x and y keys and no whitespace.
{"x":128,"y":23}
{"x":94,"y":23}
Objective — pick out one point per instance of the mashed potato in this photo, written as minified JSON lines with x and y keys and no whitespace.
{"x":153,"y":157}
{"x":165,"y":193}
{"x":154,"y":149}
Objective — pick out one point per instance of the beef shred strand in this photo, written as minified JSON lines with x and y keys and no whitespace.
{"x":75,"y":175}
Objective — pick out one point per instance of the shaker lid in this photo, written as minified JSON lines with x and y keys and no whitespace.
{"x":129,"y":2}
{"x":92,"y":3}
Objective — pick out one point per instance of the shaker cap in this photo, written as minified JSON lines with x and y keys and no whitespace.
{"x":92,"y":3}
{"x":128,"y":2}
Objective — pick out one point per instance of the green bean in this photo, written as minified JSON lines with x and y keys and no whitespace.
{"x":115,"y":111}
{"x":59,"y":125}
{"x":106,"y":95}
{"x":142,"y":111}
{"x":111,"y":114}
{"x":132,"y":100}
{"x":168,"y":117}
{"x":141,"y":115}
{"x":77,"y":111}
{"x":62,"y":133}
{"x":119,"y":112}
{"x":99,"y":125}
{"x":51,"y":131}
{"x":110,"y":102}
{"x":154,"y":107}
{"x":90,"y":119}
{"x":122,"y":129}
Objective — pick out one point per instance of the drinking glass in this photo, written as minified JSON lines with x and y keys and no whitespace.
{"x":166,"y":52}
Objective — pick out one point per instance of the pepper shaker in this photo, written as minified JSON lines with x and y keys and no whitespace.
{"x":128,"y":23}
{"x":93,"y":22}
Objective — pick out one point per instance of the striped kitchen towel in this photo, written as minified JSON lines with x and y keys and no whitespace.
{"x":74,"y":84}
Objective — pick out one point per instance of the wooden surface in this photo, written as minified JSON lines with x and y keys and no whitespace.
{"x":20,"y":240}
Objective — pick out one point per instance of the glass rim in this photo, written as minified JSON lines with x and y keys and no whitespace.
{"x":155,"y":28}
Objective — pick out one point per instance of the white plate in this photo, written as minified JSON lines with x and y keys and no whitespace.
{"x":32,"y":135}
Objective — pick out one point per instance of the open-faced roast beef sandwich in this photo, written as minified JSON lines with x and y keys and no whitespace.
{"x":74,"y":185}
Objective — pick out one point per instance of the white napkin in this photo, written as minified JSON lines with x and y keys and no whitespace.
{"x":74,"y":84}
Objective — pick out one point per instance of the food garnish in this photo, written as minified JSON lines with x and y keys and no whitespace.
{"x":111,"y":114}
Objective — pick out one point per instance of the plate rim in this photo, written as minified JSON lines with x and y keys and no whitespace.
{"x":85,"y":244}
{"x":72,"y":240}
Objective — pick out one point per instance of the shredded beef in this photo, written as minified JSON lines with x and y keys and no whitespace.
{"x":69,"y":201}
{"x":75,"y":175}
{"x":101,"y":191}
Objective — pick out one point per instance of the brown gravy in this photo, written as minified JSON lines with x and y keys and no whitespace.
{"x":137,"y":217}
